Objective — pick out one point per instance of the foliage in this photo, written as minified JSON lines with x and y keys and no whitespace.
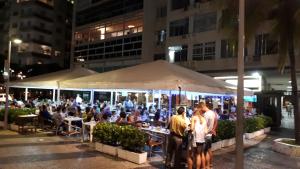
{"x":107,"y":133}
{"x":129,"y":137}
{"x":226,"y":130}
{"x":132,"y":139}
{"x":268,"y":121}
{"x":14,"y":113}
{"x":253,"y":124}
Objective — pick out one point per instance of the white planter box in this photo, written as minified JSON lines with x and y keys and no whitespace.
{"x":14,"y":127}
{"x":137,"y":158}
{"x":111,"y":150}
{"x":216,"y":146}
{"x":1,"y":124}
{"x":267,"y":130}
{"x":99,"y":147}
{"x":288,"y":149}
{"x":254,"y":134}
{"x":228,"y":142}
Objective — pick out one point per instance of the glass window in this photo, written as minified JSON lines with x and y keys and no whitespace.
{"x":205,"y":22}
{"x":228,"y":49}
{"x":204,"y":51}
{"x":265,"y":45}
{"x":181,"y":55}
{"x":179,"y":27}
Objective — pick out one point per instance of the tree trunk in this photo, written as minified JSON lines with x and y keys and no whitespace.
{"x":295,"y":98}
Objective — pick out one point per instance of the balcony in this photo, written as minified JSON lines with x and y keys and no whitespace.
{"x":43,"y":17}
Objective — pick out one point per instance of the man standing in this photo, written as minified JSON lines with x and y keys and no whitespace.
{"x":211,"y":122}
{"x":177,"y":128}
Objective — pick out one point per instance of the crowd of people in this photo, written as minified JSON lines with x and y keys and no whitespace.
{"x":200,"y":130}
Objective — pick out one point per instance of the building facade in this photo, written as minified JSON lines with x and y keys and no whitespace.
{"x":44,"y":26}
{"x":111,"y":35}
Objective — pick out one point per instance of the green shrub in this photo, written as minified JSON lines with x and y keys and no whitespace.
{"x":132,"y":139}
{"x":107,"y":133}
{"x":267,"y":120}
{"x":225,"y":130}
{"x":129,"y":137}
{"x":14,"y":113}
{"x":254,"y":124}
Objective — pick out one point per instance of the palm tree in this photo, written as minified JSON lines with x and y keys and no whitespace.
{"x":286,"y":25}
{"x":285,"y":17}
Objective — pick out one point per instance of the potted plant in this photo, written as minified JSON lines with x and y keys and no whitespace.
{"x":132,"y":141}
{"x":107,"y":137}
{"x":267,"y":123}
{"x":254,"y":127}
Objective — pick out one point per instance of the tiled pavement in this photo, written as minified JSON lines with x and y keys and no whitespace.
{"x":52,"y":152}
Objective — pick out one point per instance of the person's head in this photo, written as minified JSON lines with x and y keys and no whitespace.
{"x":105,"y":116}
{"x":44,"y":107}
{"x":202,"y":107}
{"x":78,"y":109}
{"x":180,"y":110}
{"x":225,"y":112}
{"x":63,"y":109}
{"x":87,"y":109}
{"x":123,"y":114}
{"x":58,"y":109}
{"x":113,"y":112}
{"x":130,"y":118}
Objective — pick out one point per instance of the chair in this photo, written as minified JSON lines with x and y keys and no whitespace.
{"x":154,"y":141}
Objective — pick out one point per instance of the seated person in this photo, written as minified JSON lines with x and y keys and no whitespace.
{"x":114,"y":117}
{"x":224,"y":116}
{"x":45,"y":115}
{"x":122,"y":118}
{"x":130,"y":119}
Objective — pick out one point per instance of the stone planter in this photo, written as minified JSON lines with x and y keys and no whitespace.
{"x":228,"y":142}
{"x":254,"y":134}
{"x":111,"y":150}
{"x":14,"y":127}
{"x":99,"y":147}
{"x":137,"y":158}
{"x":267,"y":130}
{"x":216,"y":145}
{"x":1,"y":123}
{"x":284,"y":148}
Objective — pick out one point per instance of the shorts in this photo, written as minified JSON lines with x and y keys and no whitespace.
{"x":199,"y":148}
{"x":208,"y":143}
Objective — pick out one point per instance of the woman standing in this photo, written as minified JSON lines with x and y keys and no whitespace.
{"x":199,"y":130}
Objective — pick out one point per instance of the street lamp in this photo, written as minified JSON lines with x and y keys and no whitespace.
{"x":6,"y":75}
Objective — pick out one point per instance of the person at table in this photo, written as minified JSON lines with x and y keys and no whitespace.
{"x":64,"y":112}
{"x":157,"y":118}
{"x":58,"y":120}
{"x":46,"y":116}
{"x":144,"y":114}
{"x":89,"y":114}
{"x":78,"y":112}
{"x":196,"y":146}
{"x":122,"y":119}
{"x":177,"y":127}
{"x":114,"y":117}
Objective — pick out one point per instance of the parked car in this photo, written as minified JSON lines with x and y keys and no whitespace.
{"x":3,"y":98}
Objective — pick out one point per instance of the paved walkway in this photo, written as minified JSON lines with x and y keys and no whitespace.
{"x":42,"y":151}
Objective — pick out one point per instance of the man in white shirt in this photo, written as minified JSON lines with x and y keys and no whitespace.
{"x":211,"y":121}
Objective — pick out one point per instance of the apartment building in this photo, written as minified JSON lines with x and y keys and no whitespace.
{"x":114,"y":34}
{"x":44,"y":26}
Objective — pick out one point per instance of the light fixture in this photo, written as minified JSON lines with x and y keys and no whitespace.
{"x":290,"y":81}
{"x":17,"y":41}
{"x":289,"y":87}
{"x":255,"y":74}
{"x":131,"y":26}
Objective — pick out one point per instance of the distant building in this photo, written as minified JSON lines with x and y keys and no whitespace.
{"x":113,"y":34}
{"x":44,"y":26}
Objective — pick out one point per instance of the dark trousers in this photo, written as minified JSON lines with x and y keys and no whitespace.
{"x":174,"y":147}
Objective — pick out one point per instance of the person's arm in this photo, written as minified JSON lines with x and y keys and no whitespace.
{"x":193,"y":123}
{"x":205,"y":126}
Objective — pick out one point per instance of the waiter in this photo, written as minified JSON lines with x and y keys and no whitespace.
{"x":177,"y":127}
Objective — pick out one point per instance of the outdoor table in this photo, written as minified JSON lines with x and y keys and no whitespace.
{"x":23,"y":120}
{"x":70,"y":119}
{"x":161,"y":131}
{"x":92,"y":124}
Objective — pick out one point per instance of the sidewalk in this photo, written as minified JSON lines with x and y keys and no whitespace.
{"x":42,"y":151}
